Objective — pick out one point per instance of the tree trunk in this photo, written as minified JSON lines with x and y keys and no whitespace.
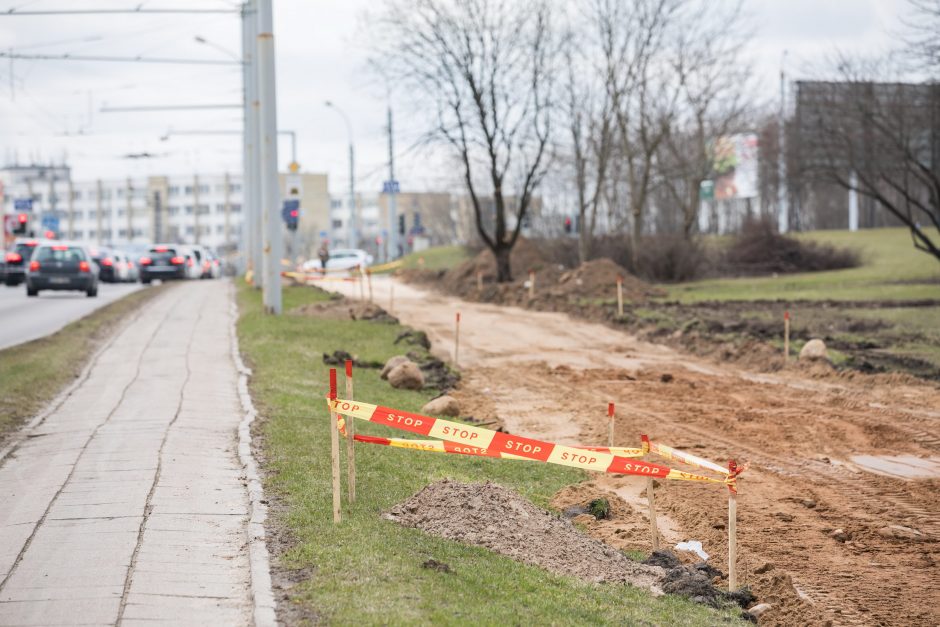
{"x":503,"y":268}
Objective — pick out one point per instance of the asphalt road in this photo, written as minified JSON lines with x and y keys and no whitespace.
{"x":23,"y":319}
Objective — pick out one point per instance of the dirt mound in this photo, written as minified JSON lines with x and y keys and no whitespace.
{"x":598,"y":279}
{"x":344,"y":309}
{"x":497,"y":518}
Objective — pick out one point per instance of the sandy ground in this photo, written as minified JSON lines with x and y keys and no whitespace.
{"x":859,"y":454}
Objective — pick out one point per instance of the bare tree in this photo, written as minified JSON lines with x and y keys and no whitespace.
{"x":588,"y":111}
{"x":485,"y":71}
{"x":713,"y":74}
{"x":922,"y":35}
{"x":879,"y":139}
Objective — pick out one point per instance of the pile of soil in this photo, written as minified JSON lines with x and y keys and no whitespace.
{"x":556,"y":288}
{"x":497,"y":518}
{"x":598,"y":279}
{"x":344,"y":309}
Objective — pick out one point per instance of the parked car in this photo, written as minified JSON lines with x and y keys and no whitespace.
{"x":17,"y":259}
{"x":340,"y":259}
{"x":61,"y":266}
{"x":164,"y":261}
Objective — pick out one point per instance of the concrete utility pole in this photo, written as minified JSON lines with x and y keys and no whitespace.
{"x":249,"y":167}
{"x":227,"y":229}
{"x":783,"y":208}
{"x":255,"y":222}
{"x":392,"y":194}
{"x":273,"y":239}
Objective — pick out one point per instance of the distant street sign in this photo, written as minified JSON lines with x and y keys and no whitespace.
{"x":23,"y":204}
{"x":390,"y":187}
{"x":50,"y":223}
{"x":706,"y":190}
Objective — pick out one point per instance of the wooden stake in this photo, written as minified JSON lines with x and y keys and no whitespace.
{"x":610,"y":424}
{"x":369,"y":278}
{"x":531,"y":283}
{"x":732,"y":529}
{"x":654,"y":529}
{"x":786,"y":336}
{"x":350,"y":443}
{"x":362,"y":287}
{"x":620,"y":296}
{"x":334,"y":453}
{"x":479,"y":280}
{"x":732,"y":541}
{"x":456,"y":339}
{"x":391,"y":298}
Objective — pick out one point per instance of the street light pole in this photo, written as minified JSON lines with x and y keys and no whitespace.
{"x":353,"y":240}
{"x":273,"y":240}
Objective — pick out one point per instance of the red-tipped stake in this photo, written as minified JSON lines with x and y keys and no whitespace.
{"x":786,"y":336}
{"x":334,"y":453}
{"x":610,"y":425}
{"x":732,"y":530}
{"x":350,"y":434}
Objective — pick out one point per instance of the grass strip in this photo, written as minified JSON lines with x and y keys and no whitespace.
{"x":31,"y":374}
{"x":369,"y":570}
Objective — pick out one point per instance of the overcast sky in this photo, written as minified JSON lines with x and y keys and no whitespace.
{"x":54,"y":107}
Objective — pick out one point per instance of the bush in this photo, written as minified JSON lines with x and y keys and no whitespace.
{"x":760,"y":249}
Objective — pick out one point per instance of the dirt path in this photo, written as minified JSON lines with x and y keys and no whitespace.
{"x":819,"y":448}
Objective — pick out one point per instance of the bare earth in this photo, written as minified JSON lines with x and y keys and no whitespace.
{"x":827,"y":452}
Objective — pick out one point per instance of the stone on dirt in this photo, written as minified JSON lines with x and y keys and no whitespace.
{"x":814,"y":350}
{"x":759,"y":609}
{"x":901,"y":533}
{"x":442,"y":406}
{"x":406,"y":375}
{"x":390,"y":365}
{"x":840,"y":535}
{"x":766,"y":567}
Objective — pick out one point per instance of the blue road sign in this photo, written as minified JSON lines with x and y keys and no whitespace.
{"x":390,"y":187}
{"x":50,"y":223}
{"x":23,"y":204}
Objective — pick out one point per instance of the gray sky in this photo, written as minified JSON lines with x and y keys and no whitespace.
{"x":321,"y":55}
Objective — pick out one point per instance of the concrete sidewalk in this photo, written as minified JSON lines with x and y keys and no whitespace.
{"x":127,"y":504}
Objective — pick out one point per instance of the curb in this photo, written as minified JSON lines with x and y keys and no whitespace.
{"x":258,"y":556}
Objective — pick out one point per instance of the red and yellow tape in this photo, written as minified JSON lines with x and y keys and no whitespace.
{"x":493,"y":443}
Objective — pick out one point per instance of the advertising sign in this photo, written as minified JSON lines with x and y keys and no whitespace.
{"x":735,"y":166}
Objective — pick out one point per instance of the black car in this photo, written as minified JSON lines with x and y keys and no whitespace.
{"x":104,"y":259}
{"x":17,"y":259}
{"x":57,"y":266}
{"x":162,"y":262}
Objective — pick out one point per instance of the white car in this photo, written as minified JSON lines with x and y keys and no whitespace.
{"x":341,"y":259}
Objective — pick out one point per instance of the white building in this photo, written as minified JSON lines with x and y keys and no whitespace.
{"x":199,"y":209}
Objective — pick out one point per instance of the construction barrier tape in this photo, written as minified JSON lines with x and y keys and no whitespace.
{"x":302,"y":276}
{"x":509,"y":446}
{"x":391,"y":265}
{"x":675,"y":454}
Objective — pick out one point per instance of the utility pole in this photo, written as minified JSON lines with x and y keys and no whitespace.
{"x":252,"y":193}
{"x":353,"y":221}
{"x":783,"y":209}
{"x":392,"y":194}
{"x":227,"y":229}
{"x":273,"y":239}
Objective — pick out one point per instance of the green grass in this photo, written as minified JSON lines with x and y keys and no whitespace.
{"x":369,"y":570}
{"x":31,"y":374}
{"x":437,"y":258}
{"x":892,"y":270}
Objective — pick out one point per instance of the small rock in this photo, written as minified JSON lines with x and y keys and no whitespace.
{"x":665,"y":377}
{"x":759,"y":609}
{"x":719,"y":526}
{"x":406,"y":375}
{"x":442,"y":406}
{"x":901,"y":533}
{"x":814,"y":350}
{"x":764,"y":568}
{"x":840,"y":535}
{"x":784,"y":516}
{"x":808,"y":503}
{"x":390,"y":365}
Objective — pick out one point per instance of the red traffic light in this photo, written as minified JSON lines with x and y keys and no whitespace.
{"x":22,"y":218}
{"x":294,"y":213}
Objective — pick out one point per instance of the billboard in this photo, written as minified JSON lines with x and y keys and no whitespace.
{"x":735,"y":166}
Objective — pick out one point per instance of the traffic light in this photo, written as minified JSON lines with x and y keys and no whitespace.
{"x":292,"y":219}
{"x":567,"y":224}
{"x":290,"y":213}
{"x":22,"y":222}
{"x":401,"y":224}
